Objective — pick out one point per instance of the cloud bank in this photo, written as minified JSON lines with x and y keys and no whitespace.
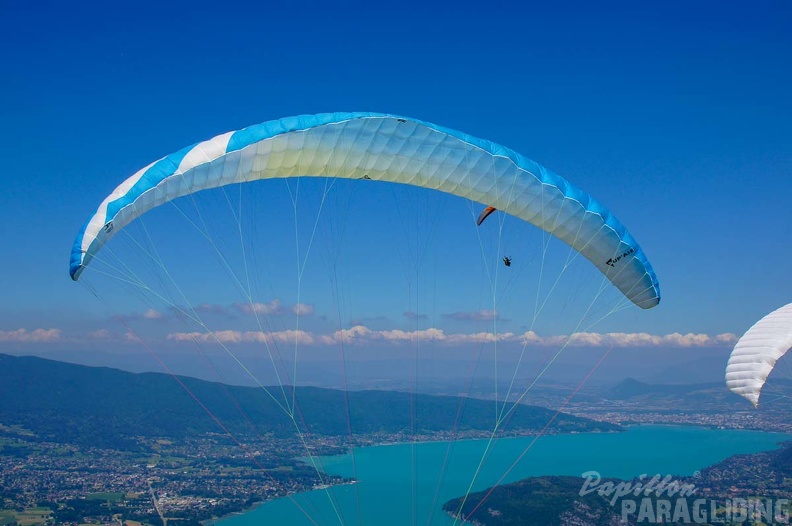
{"x":274,"y":308}
{"x":224,"y":337}
{"x":34,"y":336}
{"x":360,"y":335}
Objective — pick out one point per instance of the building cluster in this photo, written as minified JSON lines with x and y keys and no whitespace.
{"x":192,"y":480}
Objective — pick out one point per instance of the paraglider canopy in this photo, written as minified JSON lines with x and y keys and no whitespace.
{"x":382,"y":147}
{"x":485,"y":214}
{"x":756,"y":353}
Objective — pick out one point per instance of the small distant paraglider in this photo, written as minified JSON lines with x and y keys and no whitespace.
{"x":485,"y":214}
{"x":757,"y":352}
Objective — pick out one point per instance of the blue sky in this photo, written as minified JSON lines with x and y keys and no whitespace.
{"x":677,"y":116}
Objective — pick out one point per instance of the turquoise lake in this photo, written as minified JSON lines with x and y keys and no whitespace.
{"x":398,"y":484}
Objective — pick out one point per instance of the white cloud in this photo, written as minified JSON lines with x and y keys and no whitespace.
{"x":422,"y":335}
{"x":275,"y":308}
{"x":270,"y":308}
{"x":302,"y":309}
{"x":480,"y":337}
{"x":287,"y":336}
{"x":152,"y":314}
{"x":726,"y":338}
{"x":34,"y":336}
{"x":642,"y":339}
{"x":130,"y":336}
{"x":529,"y":337}
{"x":358,"y":331}
{"x":362,"y":334}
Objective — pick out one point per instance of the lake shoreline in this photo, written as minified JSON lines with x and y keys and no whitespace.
{"x":215,"y":520}
{"x":637,"y":434}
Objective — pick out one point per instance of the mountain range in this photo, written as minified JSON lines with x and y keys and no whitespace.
{"x":63,"y":402}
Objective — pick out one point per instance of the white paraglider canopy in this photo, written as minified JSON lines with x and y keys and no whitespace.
{"x":757,"y":352}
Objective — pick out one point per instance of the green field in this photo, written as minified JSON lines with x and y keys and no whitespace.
{"x":16,"y":430}
{"x":108,"y":496}
{"x":28,"y":517}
